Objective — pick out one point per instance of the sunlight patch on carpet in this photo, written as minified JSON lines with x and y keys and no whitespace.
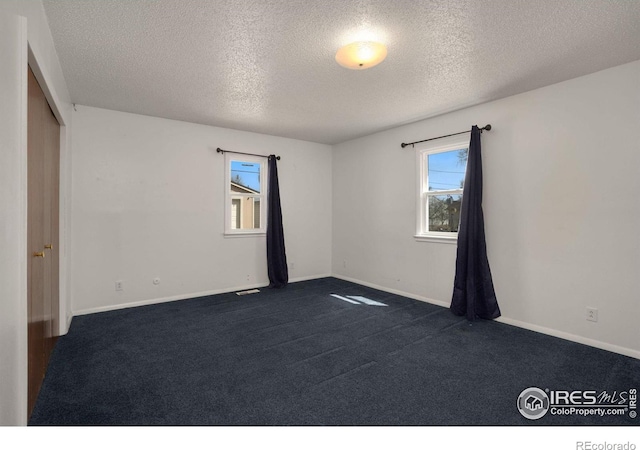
{"x":358,"y":300}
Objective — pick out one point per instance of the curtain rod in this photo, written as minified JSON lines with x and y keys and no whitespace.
{"x":219,"y":150}
{"x":486,"y":127}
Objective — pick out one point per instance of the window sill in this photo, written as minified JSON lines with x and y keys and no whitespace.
{"x":245,"y":234}
{"x":436,"y":238}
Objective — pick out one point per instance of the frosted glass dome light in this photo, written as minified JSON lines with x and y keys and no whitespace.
{"x":361,"y":55}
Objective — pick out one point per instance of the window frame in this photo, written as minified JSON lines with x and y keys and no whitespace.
{"x":422,"y":190}
{"x":229,"y":196}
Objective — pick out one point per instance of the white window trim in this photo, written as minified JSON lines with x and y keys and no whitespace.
{"x":231,"y":232}
{"x":421,"y":152}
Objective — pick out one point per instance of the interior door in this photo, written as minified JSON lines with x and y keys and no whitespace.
{"x":43,"y":162}
{"x":51,"y":227}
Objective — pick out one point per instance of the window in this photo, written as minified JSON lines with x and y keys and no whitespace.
{"x":245,"y":201}
{"x":441,"y":173}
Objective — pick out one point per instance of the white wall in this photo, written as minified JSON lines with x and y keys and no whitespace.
{"x":562,"y":208}
{"x":13,"y":269}
{"x":148,"y":202}
{"x":24,"y":38}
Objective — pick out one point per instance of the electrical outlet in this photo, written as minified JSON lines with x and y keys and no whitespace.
{"x":292,"y":265}
{"x":344,"y":264}
{"x":592,"y":314}
{"x":119,"y":285}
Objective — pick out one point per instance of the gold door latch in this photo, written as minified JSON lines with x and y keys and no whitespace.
{"x":48,"y":246}
{"x":38,"y":254}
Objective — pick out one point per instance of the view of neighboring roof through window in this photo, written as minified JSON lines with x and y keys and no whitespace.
{"x":246,"y":175}
{"x":246,"y":207}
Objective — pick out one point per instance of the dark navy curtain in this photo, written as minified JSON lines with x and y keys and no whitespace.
{"x":276,"y":255}
{"x":473,"y":293}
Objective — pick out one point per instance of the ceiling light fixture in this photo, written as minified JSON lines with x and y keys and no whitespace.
{"x":361,"y":55}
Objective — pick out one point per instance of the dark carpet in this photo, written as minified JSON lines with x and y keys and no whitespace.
{"x":298,"y":356}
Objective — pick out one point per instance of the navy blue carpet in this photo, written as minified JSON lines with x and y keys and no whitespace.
{"x":297,"y":356}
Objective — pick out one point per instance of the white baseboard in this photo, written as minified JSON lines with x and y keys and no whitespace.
{"x":312,"y":277}
{"x":516,"y":323}
{"x":173,"y":298}
{"x":571,"y":337}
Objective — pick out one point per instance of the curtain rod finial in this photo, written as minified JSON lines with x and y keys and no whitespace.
{"x":487,"y":127}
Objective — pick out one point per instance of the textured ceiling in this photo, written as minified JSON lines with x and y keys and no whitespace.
{"x":268,"y":65}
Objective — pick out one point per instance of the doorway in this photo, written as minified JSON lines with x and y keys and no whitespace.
{"x":43,"y":235}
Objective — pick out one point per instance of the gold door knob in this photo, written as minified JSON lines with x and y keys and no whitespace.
{"x":38,"y":255}
{"x":48,"y":246}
